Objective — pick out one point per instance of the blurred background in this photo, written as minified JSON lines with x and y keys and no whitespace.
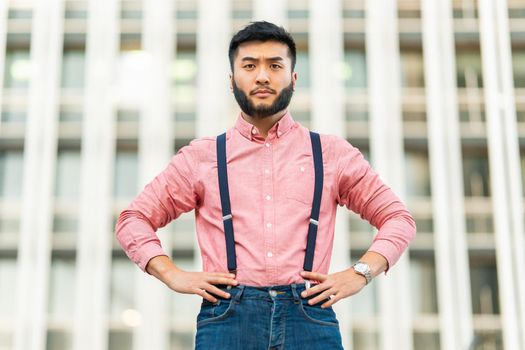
{"x":96,"y":96}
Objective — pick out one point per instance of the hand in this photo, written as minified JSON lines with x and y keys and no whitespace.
{"x":340,"y":284}
{"x":200,"y":283}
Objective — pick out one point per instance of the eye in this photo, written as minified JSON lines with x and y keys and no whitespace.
{"x":249,"y":66}
{"x":275,"y":66}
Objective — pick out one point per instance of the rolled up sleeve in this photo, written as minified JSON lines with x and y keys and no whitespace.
{"x":362,"y":191}
{"x":166,"y":197}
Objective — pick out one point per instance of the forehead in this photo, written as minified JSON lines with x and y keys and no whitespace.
{"x":262,"y":50}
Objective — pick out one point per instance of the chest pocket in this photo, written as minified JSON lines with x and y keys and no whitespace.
{"x":299,"y":180}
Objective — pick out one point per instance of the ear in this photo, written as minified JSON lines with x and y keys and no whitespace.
{"x":231,"y":82}
{"x":294,"y":80}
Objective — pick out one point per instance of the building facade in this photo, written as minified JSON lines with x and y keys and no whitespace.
{"x":95,"y":97}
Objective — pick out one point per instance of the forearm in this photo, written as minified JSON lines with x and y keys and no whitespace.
{"x":162,"y":267}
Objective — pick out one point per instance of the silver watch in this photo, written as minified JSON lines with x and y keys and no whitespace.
{"x":363,"y":269}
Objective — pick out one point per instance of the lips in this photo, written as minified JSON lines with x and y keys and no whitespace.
{"x":262,"y":93}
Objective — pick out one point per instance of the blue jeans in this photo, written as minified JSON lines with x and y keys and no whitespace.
{"x":266,"y":318}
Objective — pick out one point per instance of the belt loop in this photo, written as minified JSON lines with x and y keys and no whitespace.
{"x":296,"y":298}
{"x":237,"y":297}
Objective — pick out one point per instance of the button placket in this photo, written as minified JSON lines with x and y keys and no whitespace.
{"x":269,"y":209}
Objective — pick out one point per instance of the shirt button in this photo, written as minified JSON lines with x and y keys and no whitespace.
{"x":266,"y":171}
{"x":268,"y":198}
{"x":254,"y":131}
{"x":269,"y":224}
{"x":279,"y":133}
{"x":302,"y":169}
{"x":267,"y":144}
{"x":269,"y":254}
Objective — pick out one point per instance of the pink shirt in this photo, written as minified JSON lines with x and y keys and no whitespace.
{"x":271,"y":185}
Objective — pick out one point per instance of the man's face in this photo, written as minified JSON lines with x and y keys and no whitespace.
{"x":262,"y":79}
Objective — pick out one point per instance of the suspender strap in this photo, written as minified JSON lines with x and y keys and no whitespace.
{"x":316,"y":205}
{"x":225,"y":203}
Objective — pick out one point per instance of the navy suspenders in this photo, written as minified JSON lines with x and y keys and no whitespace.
{"x":222,"y":171}
{"x":227,"y":217}
{"x":316,"y":204}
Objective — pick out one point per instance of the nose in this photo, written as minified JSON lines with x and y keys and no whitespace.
{"x":262,"y":76}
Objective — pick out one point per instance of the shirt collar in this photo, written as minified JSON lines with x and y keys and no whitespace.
{"x":279,"y":129}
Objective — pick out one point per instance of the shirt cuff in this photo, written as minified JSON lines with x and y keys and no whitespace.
{"x":147,"y":252}
{"x":387,"y":249}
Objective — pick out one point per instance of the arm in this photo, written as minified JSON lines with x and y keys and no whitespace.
{"x":362,"y":191}
{"x":165,"y":198}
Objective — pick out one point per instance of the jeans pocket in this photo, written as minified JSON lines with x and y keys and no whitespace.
{"x":318,"y":315}
{"x":211,"y":312}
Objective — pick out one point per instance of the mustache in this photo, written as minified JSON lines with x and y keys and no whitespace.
{"x":254,"y":91}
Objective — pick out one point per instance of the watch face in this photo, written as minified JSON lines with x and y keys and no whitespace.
{"x":362,"y":268}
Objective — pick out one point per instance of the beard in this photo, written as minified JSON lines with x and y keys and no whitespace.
{"x":262,"y":111}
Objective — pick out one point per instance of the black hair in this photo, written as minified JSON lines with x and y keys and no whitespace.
{"x":262,"y":31}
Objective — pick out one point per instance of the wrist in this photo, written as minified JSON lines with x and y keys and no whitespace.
{"x":363,"y":269}
{"x":161,"y":266}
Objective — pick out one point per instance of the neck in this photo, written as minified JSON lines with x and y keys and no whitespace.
{"x":264,"y":124}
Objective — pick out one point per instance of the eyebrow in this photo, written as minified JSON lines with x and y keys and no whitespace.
{"x":248,"y":58}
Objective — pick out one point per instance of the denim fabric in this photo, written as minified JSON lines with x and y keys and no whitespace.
{"x":266,"y":318}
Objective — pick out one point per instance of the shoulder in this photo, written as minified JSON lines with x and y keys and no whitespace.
{"x":335,"y":143}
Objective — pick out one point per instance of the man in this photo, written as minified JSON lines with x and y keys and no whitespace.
{"x":265,"y":196}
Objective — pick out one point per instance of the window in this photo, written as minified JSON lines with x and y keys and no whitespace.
{"x":8,"y":278}
{"x":427,"y":341}
{"x":476,"y":175}
{"x":130,"y":115}
{"x":518,"y":67}
{"x":412,"y":72}
{"x":417,"y":173}
{"x":423,"y":285}
{"x":62,"y":288}
{"x":302,"y":67}
{"x":465,"y":9}
{"x":468,"y":68}
{"x":17,"y":68}
{"x":59,"y":340}
{"x":120,"y":340}
{"x":13,"y":116}
{"x":19,"y":14}
{"x":354,"y":72}
{"x":67,"y":183}
{"x":122,"y":290}
{"x":365,"y":340}
{"x":11,"y":166}
{"x":184,"y":76}
{"x":73,"y":68}
{"x":484,"y":285}
{"x":126,"y":174}
{"x":522,"y":162}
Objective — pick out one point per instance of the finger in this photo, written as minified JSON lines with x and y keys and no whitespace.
{"x":334,"y":299}
{"x":321,"y":296}
{"x":205,"y":295}
{"x":314,"y":276}
{"x":314,"y":290}
{"x":210,"y":288}
{"x":222,"y":280}
{"x":222,"y":274}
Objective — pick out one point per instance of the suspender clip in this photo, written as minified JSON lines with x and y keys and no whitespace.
{"x":315,"y":222}
{"x":227,"y":217}
{"x":307,"y":284}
